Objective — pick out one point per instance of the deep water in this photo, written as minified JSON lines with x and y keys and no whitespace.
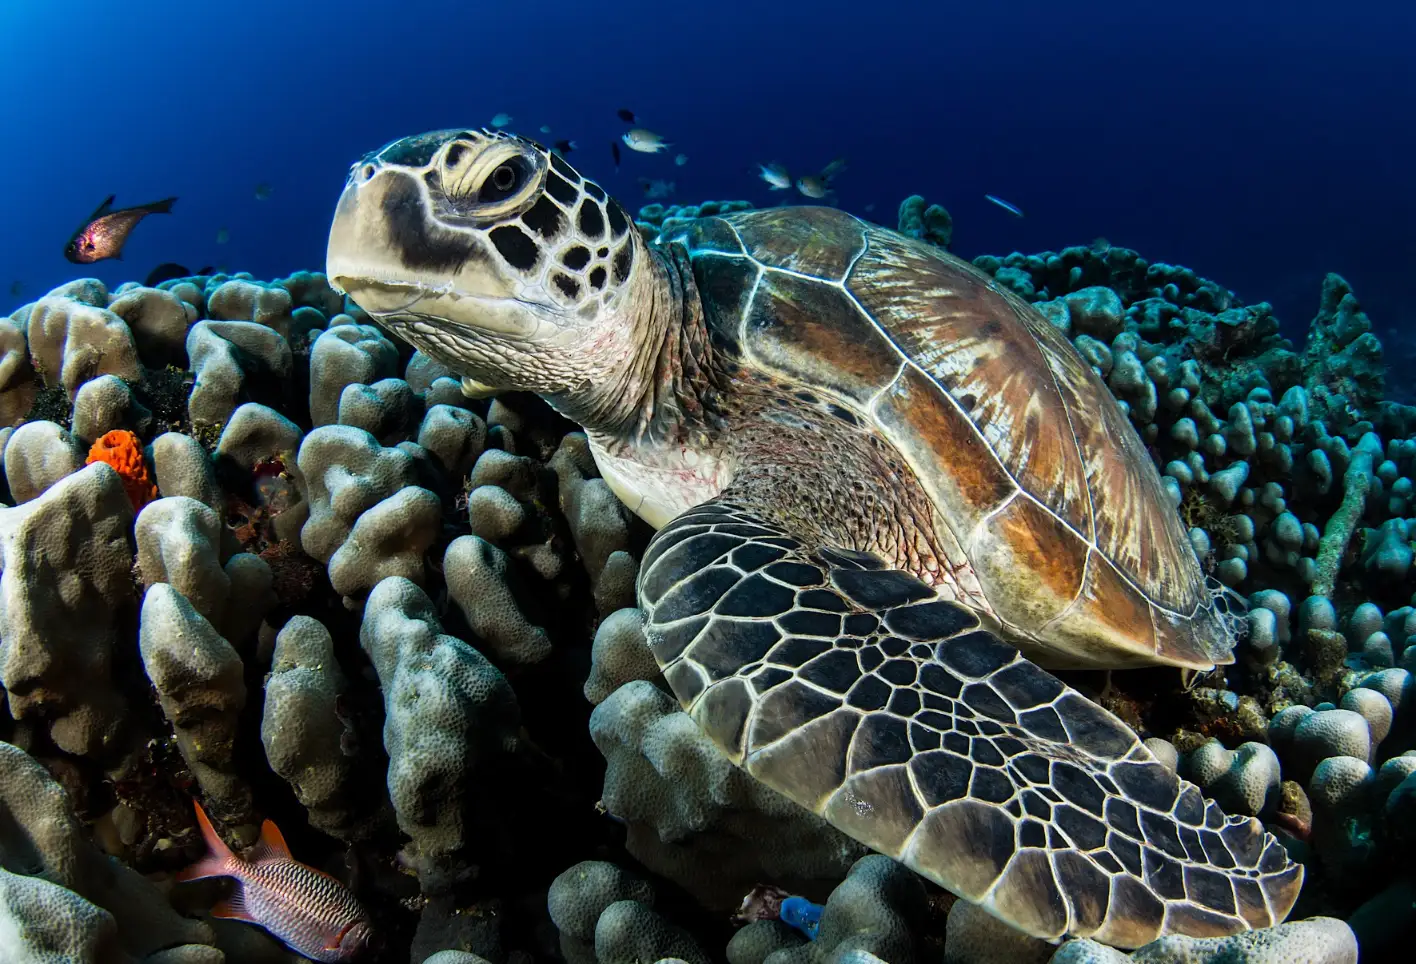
{"x":1262,"y":148}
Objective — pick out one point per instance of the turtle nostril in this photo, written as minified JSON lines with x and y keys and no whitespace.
{"x":367,"y":172}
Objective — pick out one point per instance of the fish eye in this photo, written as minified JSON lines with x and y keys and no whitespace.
{"x":505,"y":180}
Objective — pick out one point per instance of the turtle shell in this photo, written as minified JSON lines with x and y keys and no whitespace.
{"x":1033,"y":468}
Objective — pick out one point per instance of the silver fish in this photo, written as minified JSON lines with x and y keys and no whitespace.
{"x":775,"y":175}
{"x":645,"y":142}
{"x":501,"y":120}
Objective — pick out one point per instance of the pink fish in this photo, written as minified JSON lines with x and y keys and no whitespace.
{"x":105,"y":232}
{"x":306,"y":908}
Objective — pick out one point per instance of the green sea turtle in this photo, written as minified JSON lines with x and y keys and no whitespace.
{"x":879,"y":480}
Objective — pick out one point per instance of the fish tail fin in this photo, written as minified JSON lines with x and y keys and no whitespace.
{"x":218,"y":861}
{"x":161,"y":207}
{"x":234,"y":907}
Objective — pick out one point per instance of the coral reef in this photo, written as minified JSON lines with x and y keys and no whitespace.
{"x":262,"y":553}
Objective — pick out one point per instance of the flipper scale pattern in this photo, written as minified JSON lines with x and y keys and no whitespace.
{"x":850,"y":688}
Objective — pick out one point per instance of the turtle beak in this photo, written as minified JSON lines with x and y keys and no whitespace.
{"x":361,"y":259}
{"x":397,"y":260}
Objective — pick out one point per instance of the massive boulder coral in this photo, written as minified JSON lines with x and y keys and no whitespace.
{"x":346,"y":355}
{"x":41,"y":840}
{"x":304,"y":738}
{"x":477,"y":574}
{"x":182,"y":542}
{"x":38,"y":454}
{"x":368,"y":519}
{"x":199,"y":681}
{"x":63,"y":594}
{"x":17,"y":382}
{"x":599,"y":523}
{"x":74,"y":337}
{"x":158,"y":320}
{"x":606,"y":916}
{"x":226,"y":356}
{"x":445,"y":707}
{"x":694,"y":817}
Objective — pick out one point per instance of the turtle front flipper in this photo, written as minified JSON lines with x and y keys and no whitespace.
{"x":851,"y":688}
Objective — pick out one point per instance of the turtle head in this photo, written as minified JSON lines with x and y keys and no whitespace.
{"x":492,"y":255}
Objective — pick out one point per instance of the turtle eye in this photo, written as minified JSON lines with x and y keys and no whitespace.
{"x":505,"y":180}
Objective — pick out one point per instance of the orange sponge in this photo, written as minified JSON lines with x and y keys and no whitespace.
{"x":122,"y":450}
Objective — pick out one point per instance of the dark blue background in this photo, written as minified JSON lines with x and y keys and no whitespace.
{"x":1261,"y":143}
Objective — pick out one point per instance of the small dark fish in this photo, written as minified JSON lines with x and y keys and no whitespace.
{"x":626,"y":115}
{"x":615,"y":150}
{"x":16,"y":287}
{"x":1012,"y":209}
{"x":565,"y":147}
{"x":166,"y":271}
{"x":813,"y":186}
{"x":105,"y":232}
{"x":263,"y":191}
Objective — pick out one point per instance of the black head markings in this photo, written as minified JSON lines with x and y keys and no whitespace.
{"x":623,"y":258}
{"x":544,"y":218}
{"x":454,"y":154}
{"x":568,"y":286}
{"x":515,"y":246}
{"x":576,"y":258}
{"x":591,"y":221}
{"x":618,"y":222}
{"x":560,"y":189}
{"x":420,"y":241}
{"x":597,"y":277}
{"x":594,"y":190}
{"x":564,"y":169}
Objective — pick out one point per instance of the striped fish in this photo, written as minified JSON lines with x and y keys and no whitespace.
{"x":306,"y":908}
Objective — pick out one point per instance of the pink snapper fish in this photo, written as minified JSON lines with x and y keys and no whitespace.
{"x":312,"y":912}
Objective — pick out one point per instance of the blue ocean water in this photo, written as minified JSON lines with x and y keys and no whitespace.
{"x":1261,"y":144}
